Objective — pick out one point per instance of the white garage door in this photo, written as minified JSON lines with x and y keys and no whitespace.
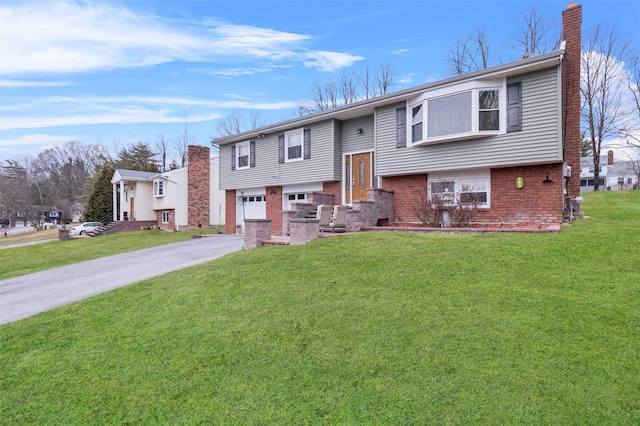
{"x":250,"y":207}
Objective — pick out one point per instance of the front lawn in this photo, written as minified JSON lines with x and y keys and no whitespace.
{"x":374,"y":328}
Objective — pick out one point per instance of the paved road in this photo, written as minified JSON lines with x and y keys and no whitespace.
{"x":24,"y":296}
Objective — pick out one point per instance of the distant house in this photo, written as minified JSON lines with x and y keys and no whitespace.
{"x":613,"y":175}
{"x":185,"y":198}
{"x":44,"y":215}
{"x":508,"y":136}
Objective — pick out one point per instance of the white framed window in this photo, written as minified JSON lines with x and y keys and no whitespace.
{"x":293,"y":142}
{"x":165,"y":217}
{"x":471,"y":110}
{"x":465,"y":187}
{"x":158,"y":188}
{"x":242,"y":155}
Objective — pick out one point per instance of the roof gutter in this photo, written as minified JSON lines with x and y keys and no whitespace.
{"x":513,"y":68}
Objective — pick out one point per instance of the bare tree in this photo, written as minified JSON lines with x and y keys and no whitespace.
{"x":182,"y":145}
{"x":162,"y":147}
{"x":233,"y":123}
{"x":256,"y":120}
{"x":229,"y":124}
{"x":19,"y":192}
{"x":535,"y":35}
{"x":59,"y":174}
{"x":631,"y":129}
{"x":343,"y":90}
{"x":348,"y":87}
{"x":324,"y":96}
{"x":364,"y":80}
{"x":470,"y":53}
{"x":602,"y":86}
{"x":384,"y":79}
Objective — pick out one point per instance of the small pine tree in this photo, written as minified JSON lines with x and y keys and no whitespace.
{"x":138,"y":157}
{"x":100,"y":202}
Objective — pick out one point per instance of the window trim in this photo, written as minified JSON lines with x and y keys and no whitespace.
{"x":235,"y":155}
{"x":168,"y":217}
{"x":457,"y":178}
{"x":474,"y":88}
{"x":158,"y":188}
{"x":297,"y":132}
{"x":239,"y":147}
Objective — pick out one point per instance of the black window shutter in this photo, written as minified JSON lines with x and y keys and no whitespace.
{"x":233,"y":157}
{"x":307,"y":144}
{"x":252,"y":154}
{"x":401,"y":127}
{"x":514,"y":107}
{"x":281,"y":149}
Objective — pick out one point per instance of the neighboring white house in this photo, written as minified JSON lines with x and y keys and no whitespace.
{"x":184,"y":198}
{"x":614,"y":175}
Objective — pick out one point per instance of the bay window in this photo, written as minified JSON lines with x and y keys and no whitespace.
{"x":472,"y":110}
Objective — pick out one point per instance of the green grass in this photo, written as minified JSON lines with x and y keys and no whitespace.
{"x":27,"y":259}
{"x":374,"y":328}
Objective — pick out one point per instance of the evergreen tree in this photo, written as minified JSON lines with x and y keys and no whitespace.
{"x":138,"y":157}
{"x":100,"y":202}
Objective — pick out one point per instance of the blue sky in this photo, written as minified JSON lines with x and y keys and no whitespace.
{"x":116,"y":72}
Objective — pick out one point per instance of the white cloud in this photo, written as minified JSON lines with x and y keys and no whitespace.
{"x":37,"y":139}
{"x":330,"y":61}
{"x":400,"y":52}
{"x":81,"y":37}
{"x":25,"y":83}
{"x":122,"y":110}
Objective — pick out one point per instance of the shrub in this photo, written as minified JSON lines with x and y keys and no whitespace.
{"x":434,"y":211}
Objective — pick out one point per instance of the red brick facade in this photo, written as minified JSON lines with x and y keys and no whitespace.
{"x":332,"y":187}
{"x":274,"y":208}
{"x":230,"y":211}
{"x":539,"y":201}
{"x":406,"y":190}
{"x":571,"y":34}
{"x":171,"y":226}
{"x":199,"y":181}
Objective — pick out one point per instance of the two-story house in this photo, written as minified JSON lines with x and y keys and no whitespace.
{"x":508,"y":136}
{"x":184,"y":198}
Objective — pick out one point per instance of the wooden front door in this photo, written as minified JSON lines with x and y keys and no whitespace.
{"x":358,"y":176}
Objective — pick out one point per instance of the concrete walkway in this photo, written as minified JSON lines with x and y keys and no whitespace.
{"x":24,"y":296}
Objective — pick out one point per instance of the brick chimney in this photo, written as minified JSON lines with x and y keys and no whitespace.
{"x":199,"y":181}
{"x":610,"y":158}
{"x":571,"y":35}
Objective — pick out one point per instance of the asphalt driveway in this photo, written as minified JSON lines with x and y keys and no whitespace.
{"x":24,"y":296}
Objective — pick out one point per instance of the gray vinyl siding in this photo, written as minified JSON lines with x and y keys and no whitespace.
{"x":269,"y":172}
{"x":540,"y":140}
{"x":354,"y":142}
{"x":337,"y":149}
